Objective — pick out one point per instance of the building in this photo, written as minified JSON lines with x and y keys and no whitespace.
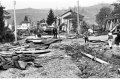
{"x":24,"y":25}
{"x":65,"y":20}
{"x":113,"y":20}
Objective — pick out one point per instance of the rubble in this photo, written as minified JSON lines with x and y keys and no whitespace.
{"x":90,"y":68}
{"x":65,"y":60}
{"x":21,"y":55}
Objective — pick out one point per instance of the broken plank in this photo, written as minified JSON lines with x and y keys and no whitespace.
{"x":19,"y":47}
{"x":51,"y":41}
{"x":35,"y":40}
{"x":96,"y":59}
{"x":34,"y":51}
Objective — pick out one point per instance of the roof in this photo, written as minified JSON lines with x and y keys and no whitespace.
{"x":73,"y":15}
{"x":66,"y":12}
{"x":24,"y":22}
{"x":110,"y":17}
{"x":6,"y":13}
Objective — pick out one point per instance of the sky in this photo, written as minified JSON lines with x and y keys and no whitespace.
{"x":53,"y":4}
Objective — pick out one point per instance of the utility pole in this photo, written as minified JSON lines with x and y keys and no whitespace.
{"x":15,"y":22}
{"x":58,"y":26}
{"x":78,"y":18}
{"x":57,"y":23}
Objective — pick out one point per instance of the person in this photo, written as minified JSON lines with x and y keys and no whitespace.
{"x":117,"y":39}
{"x":55,"y":32}
{"x":86,"y":37}
{"x":110,"y":37}
{"x":39,"y":33}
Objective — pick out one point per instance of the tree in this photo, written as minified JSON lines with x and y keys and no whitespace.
{"x":74,"y":22}
{"x":84,"y":26}
{"x":1,"y":21}
{"x":6,"y":35}
{"x":26,"y":18}
{"x":100,"y":17}
{"x":116,"y":9}
{"x":50,"y":18}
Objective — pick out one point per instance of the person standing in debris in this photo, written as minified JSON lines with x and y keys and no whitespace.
{"x":39,"y":33}
{"x":117,"y":39}
{"x":110,"y":37}
{"x":55,"y":32}
{"x":86,"y":37}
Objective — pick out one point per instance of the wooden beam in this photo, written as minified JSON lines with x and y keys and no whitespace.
{"x":78,"y":21}
{"x":34,"y":51}
{"x":96,"y":59}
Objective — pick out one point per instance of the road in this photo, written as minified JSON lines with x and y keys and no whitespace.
{"x":115,"y":50}
{"x":102,"y":37}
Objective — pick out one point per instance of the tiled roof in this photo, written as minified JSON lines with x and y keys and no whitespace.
{"x":66,"y":12}
{"x":110,"y":17}
{"x":24,"y":22}
{"x":73,"y":15}
{"x":6,"y":13}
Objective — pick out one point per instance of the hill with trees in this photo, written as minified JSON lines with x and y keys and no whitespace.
{"x":39,"y":14}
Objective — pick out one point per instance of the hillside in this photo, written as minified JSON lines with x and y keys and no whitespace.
{"x":90,"y":12}
{"x":38,"y":14}
{"x":34,"y":14}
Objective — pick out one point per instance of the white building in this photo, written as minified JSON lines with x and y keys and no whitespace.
{"x":65,"y":20}
{"x":24,"y":25}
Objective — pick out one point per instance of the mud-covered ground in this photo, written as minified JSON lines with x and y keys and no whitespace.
{"x":66,"y":61}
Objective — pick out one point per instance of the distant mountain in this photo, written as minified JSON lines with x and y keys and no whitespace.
{"x":34,"y":14}
{"x":90,"y":12}
{"x":38,"y":14}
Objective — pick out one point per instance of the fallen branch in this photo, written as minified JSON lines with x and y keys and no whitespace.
{"x":94,"y":58}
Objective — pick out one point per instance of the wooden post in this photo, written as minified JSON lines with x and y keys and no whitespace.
{"x":68,"y":26}
{"x":78,"y":19}
{"x":111,"y":24}
{"x":93,"y":29}
{"x":58,"y":27}
{"x":15,"y":22}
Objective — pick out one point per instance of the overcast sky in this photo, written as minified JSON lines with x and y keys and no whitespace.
{"x":54,"y":4}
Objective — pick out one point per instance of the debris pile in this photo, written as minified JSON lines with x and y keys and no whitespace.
{"x":19,"y":56}
{"x":66,"y":61}
{"x":88,"y":67}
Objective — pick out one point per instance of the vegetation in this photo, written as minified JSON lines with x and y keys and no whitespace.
{"x":84,"y":26}
{"x":50,"y":18}
{"x":1,"y":23}
{"x":9,"y":35}
{"x":74,"y":22}
{"x":26,"y":18}
{"x":116,"y":9}
{"x":6,"y":35}
{"x":100,"y":17}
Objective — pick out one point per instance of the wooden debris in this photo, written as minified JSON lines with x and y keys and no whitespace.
{"x":33,"y":52}
{"x":34,"y":40}
{"x":96,"y":59}
{"x":20,"y":47}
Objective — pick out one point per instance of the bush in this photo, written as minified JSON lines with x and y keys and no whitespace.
{"x":9,"y":37}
